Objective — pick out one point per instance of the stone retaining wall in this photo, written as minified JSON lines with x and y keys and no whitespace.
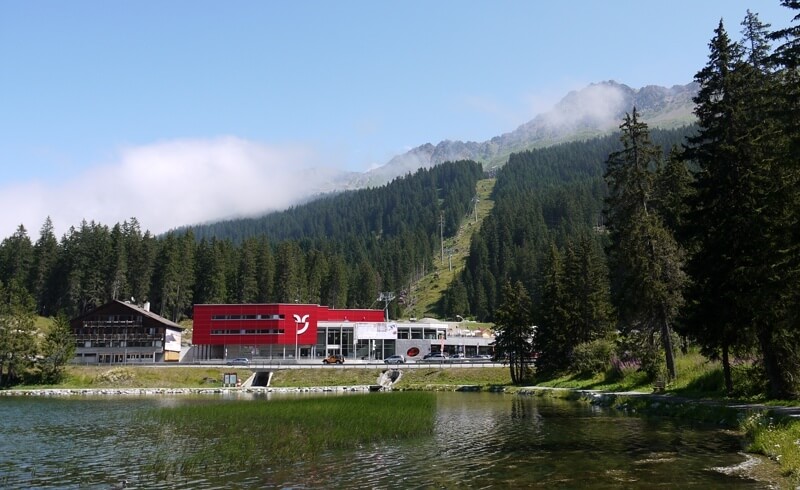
{"x":180,"y":391}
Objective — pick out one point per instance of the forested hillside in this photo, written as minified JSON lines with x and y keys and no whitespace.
{"x":386,"y":211}
{"x":550,"y":197}
{"x":339,"y":251}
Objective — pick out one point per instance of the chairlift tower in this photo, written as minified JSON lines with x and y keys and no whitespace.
{"x":386,"y":297}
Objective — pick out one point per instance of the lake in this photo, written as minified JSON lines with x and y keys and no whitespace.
{"x":480,"y":440}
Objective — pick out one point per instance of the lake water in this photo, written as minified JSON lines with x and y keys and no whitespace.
{"x":480,"y":440}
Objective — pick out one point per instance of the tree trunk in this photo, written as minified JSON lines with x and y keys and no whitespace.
{"x":779,"y":377}
{"x":726,"y":369}
{"x":666,"y":339}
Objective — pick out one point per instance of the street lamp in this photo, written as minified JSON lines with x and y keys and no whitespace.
{"x":296,"y":346}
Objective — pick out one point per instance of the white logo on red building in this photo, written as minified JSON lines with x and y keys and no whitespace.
{"x":298,"y":320}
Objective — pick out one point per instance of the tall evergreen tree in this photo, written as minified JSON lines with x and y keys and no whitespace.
{"x":247,"y":284}
{"x":16,"y":257}
{"x":741,"y":221}
{"x":140,"y":254}
{"x":337,"y":284}
{"x":18,"y":339}
{"x":265,"y":271}
{"x":514,"y":331}
{"x":117,"y":280}
{"x":211,"y":285}
{"x":57,"y":349}
{"x":551,"y":340}
{"x":587,"y":293}
{"x":646,"y":260}
{"x":45,"y":256}
{"x":289,"y":269}
{"x":317,"y":273}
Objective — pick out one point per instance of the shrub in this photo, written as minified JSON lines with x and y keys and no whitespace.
{"x":592,"y":357}
{"x":116,"y":375}
{"x":749,"y":379}
{"x":638,"y":346}
{"x":621,"y":369}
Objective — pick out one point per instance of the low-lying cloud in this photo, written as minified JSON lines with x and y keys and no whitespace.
{"x":597,"y":105}
{"x":170,"y":184}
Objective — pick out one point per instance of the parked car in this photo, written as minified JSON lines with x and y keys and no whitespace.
{"x":458,"y":356}
{"x":239,"y":361}
{"x":435,"y":357}
{"x":333,"y":359}
{"x":395,"y":359}
{"x":482,"y":357}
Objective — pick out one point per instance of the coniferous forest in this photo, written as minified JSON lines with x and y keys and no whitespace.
{"x":622,"y":248}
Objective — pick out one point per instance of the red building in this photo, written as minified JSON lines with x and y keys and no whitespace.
{"x":287,"y":330}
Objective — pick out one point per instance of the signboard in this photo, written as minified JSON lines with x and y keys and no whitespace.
{"x":375,"y":331}
{"x":172,"y":340}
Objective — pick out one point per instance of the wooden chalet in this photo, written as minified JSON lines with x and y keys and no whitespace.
{"x":120,"y":332}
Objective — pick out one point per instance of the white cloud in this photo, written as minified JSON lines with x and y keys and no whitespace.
{"x":597,"y":104}
{"x":169,"y":184}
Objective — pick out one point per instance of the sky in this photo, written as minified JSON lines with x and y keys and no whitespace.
{"x":182,"y":112}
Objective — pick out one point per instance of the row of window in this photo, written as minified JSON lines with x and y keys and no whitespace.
{"x":247,"y":317}
{"x":115,"y":318}
{"x":116,"y":343}
{"x":267,"y":331}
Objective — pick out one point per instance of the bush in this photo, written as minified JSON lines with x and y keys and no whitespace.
{"x":749,"y":379}
{"x":621,"y":369}
{"x":636,"y":346}
{"x":592,"y":357}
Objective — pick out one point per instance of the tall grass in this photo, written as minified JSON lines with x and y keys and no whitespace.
{"x":251,"y":435}
{"x":779,"y":440}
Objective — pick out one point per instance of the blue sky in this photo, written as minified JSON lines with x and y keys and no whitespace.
{"x":184,"y":97}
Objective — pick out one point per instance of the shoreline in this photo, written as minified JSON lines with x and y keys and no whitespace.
{"x":61,"y":392}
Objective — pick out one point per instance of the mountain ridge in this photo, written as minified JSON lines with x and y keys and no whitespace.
{"x":592,"y":111}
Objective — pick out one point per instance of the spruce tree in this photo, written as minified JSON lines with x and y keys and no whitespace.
{"x":741,"y":223}
{"x":646,"y":261}
{"x":514,"y":331}
{"x":551,"y":340}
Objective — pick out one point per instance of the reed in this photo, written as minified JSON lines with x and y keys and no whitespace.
{"x":250,"y":435}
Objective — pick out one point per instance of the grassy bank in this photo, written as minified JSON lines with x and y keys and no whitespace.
{"x":81,"y":377}
{"x":779,"y":439}
{"x":222,"y":434}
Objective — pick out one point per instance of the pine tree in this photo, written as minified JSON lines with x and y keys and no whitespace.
{"x":265,"y":270}
{"x":18,"y":339}
{"x":211,"y":274}
{"x":247,"y":283}
{"x":45,"y":257}
{"x":551,"y":341}
{"x":587,"y":293}
{"x":16,"y":257}
{"x":741,"y":224}
{"x":57,"y":349}
{"x":289,"y":281}
{"x":514,"y":331}
{"x":646,"y":260}
{"x":336,"y":285}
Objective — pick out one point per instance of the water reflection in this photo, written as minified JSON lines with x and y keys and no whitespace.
{"x":480,"y":440}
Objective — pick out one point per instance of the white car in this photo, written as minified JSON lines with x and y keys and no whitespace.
{"x":395,"y":359}
{"x":239,"y":361}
